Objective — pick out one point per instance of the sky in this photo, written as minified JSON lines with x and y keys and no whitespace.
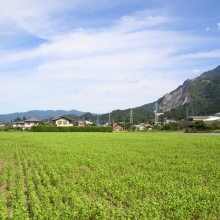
{"x":101,"y":55}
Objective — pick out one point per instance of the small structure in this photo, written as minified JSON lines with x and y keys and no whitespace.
{"x":30,"y":122}
{"x":117,"y":127}
{"x":167,"y":121}
{"x":197,"y":118}
{"x":1,"y":124}
{"x":142,"y":127}
{"x":80,"y":123}
{"x":88,"y":123}
{"x":216,"y":117}
{"x":62,"y":121}
{"x":212,"y":118}
{"x":148,"y":126}
{"x":18,"y":124}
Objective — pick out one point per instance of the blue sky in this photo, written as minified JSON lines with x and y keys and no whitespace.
{"x":102,"y":55}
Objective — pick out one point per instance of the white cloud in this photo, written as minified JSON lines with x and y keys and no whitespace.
{"x":208,"y":29}
{"x":196,"y":71}
{"x":218,"y":25}
{"x":124,"y":65}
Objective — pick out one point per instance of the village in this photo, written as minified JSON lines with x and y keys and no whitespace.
{"x":63,"y":121}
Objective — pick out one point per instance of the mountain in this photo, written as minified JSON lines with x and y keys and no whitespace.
{"x":39,"y":114}
{"x":198,"y":96}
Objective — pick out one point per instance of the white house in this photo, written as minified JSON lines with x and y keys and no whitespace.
{"x":62,"y":121}
{"x":18,"y":124}
{"x":30,"y":122}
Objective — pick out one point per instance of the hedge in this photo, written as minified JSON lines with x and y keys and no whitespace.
{"x":41,"y":128}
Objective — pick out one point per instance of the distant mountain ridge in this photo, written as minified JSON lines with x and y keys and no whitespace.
{"x":39,"y":114}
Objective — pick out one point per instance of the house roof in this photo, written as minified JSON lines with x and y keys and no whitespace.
{"x":148,"y":125}
{"x":18,"y":122}
{"x":32,"y":120}
{"x":212,"y":118}
{"x":196,"y":118}
{"x":60,"y":117}
{"x":116,"y":124}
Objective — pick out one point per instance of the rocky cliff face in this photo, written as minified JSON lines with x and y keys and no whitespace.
{"x":176,"y":98}
{"x":189,"y":91}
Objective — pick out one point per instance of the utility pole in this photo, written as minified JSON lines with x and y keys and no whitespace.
{"x":109,"y":118}
{"x":97,"y":121}
{"x":131,"y":116}
{"x":156,"y":116}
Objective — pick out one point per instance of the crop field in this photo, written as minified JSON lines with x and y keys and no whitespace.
{"x":109,"y":176}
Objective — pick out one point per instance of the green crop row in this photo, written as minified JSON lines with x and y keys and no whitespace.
{"x":109,"y":176}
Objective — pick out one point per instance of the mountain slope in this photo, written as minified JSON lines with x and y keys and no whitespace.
{"x":196,"y":95}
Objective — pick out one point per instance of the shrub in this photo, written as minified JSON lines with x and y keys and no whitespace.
{"x":216,"y":125}
{"x":167,"y":127}
{"x":199,"y":127}
{"x":157,"y":127}
{"x":41,"y":128}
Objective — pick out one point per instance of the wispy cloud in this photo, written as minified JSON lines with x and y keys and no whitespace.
{"x":85,"y":66}
{"x":131,"y":81}
{"x":218,"y":25}
{"x":196,"y":71}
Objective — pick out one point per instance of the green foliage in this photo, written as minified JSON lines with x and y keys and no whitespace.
{"x":167,"y":127}
{"x":128,"y":175}
{"x":199,"y":127}
{"x":6,"y":128}
{"x":157,"y":127}
{"x":41,"y":128}
{"x":216,"y":125}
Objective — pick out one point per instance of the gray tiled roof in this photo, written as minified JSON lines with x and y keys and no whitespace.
{"x":32,"y":120}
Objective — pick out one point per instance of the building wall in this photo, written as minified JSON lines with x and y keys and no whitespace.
{"x":63,"y":122}
{"x":30,"y":124}
{"x":80,"y":123}
{"x":117,"y":128}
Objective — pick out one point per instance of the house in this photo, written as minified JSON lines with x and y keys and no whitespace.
{"x":80,"y":123}
{"x":18,"y":124}
{"x":148,"y":126}
{"x":1,"y":124}
{"x":30,"y":122}
{"x":142,"y":127}
{"x":62,"y":121}
{"x":117,"y":127}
